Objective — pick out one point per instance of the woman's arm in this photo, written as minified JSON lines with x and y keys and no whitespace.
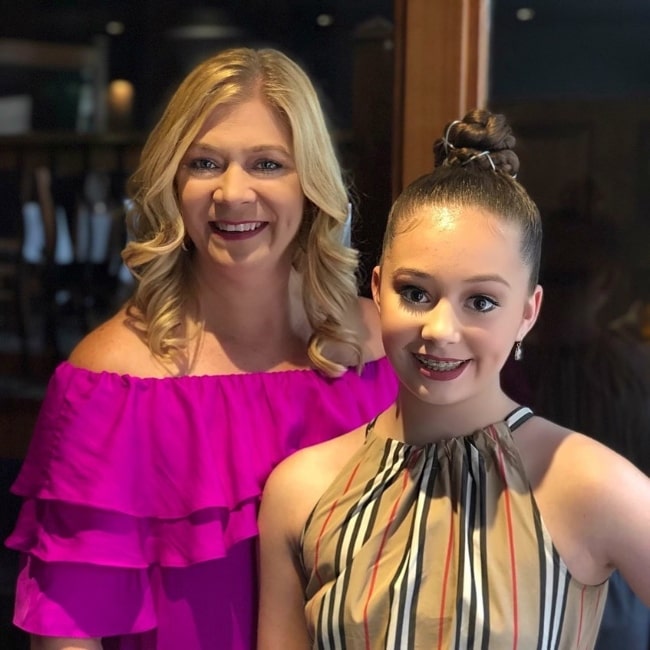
{"x":282,"y":623}
{"x":56,"y":643}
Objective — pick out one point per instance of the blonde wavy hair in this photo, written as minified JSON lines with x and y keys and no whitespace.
{"x":158,"y":307}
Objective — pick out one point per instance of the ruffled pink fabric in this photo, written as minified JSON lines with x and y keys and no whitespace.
{"x":141,"y":497}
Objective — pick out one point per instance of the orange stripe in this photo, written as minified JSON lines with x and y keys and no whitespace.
{"x":327,"y":519}
{"x":511,"y":546}
{"x":582,"y":604}
{"x":450,"y":547}
{"x":375,"y":566}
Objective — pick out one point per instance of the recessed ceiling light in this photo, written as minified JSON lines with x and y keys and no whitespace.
{"x":325,"y":20}
{"x":525,"y":13}
{"x":114,"y":28}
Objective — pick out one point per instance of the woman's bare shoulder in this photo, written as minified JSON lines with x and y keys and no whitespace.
{"x":114,"y":346}
{"x":373,"y":347}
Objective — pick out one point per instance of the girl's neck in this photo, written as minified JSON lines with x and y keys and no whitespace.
{"x":417,"y":422}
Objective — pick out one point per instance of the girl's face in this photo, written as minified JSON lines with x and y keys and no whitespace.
{"x":239,"y":191}
{"x":453,"y":295}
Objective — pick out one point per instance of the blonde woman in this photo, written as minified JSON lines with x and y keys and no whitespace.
{"x":243,"y":342}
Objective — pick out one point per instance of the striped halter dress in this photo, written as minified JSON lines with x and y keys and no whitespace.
{"x":440,"y":546}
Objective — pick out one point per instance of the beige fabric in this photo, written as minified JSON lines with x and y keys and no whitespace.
{"x":440,"y":546}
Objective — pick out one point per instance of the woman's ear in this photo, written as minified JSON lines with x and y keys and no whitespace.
{"x":531,"y":312}
{"x":376,"y":281}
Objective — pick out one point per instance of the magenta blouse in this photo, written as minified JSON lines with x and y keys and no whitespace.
{"x":141,"y":496}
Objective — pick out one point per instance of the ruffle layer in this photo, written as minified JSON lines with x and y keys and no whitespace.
{"x":157,"y":608}
{"x":131,"y":472}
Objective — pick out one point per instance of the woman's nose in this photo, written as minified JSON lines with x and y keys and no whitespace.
{"x":234,"y":185}
{"x":441,"y":323}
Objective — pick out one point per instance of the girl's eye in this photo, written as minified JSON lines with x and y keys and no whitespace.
{"x":413,"y":295}
{"x":483,"y":304}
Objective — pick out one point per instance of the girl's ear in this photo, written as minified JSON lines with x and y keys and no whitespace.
{"x":376,"y":281}
{"x":531,"y":312}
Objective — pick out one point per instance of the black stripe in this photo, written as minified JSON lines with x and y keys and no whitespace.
{"x":543,"y":584}
{"x":473,"y":504}
{"x":425,"y":497}
{"x":557,"y":595}
{"x":485,"y":641}
{"x":565,"y":595}
{"x":517,"y":417}
{"x":390,"y":461}
{"x":420,"y":533}
{"x":462,"y":536}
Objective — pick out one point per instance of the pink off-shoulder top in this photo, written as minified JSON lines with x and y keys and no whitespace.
{"x":141,"y":496}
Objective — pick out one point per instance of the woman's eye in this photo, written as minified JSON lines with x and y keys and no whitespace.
{"x":413,"y":295}
{"x":268,"y":165}
{"x":483,"y":303}
{"x":202,"y":164}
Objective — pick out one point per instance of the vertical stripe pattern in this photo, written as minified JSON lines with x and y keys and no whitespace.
{"x":440,"y":546}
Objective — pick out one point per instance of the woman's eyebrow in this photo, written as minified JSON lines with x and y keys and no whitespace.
{"x":201,"y":146}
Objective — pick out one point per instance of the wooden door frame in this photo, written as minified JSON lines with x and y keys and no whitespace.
{"x":441,"y":72}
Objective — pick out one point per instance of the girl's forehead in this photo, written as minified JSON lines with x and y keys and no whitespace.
{"x":453,"y":222}
{"x":470,"y":241}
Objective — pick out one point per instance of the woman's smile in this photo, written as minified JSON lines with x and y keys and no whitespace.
{"x":233,"y":231}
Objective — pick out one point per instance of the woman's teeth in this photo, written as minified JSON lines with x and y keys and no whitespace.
{"x":238,"y":227}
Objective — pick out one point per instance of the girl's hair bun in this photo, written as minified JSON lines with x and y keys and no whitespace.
{"x":481,"y":140}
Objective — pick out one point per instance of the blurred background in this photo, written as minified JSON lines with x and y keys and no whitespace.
{"x":82,"y":82}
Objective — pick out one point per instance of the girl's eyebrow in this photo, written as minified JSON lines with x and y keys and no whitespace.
{"x":409,"y":271}
{"x":488,"y":277}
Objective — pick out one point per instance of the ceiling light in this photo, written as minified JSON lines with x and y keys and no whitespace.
{"x":525,"y":13}
{"x":325,"y":20}
{"x":115,"y":28}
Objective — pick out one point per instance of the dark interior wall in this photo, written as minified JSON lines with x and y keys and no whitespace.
{"x":154,"y":55}
{"x":574,"y":83}
{"x":589,"y":55}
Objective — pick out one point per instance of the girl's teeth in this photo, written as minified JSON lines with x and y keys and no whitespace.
{"x":439,"y":365}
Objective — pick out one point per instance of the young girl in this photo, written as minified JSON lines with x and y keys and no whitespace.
{"x":456,"y":518}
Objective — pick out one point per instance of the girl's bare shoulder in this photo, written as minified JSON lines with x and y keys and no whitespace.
{"x":296,"y":484}
{"x":319,"y":464}
{"x":549,"y":447}
{"x":592,"y":500}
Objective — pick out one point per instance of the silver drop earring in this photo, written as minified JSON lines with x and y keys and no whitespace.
{"x":518,"y":352}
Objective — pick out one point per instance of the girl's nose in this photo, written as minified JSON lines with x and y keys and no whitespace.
{"x":441,"y":323}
